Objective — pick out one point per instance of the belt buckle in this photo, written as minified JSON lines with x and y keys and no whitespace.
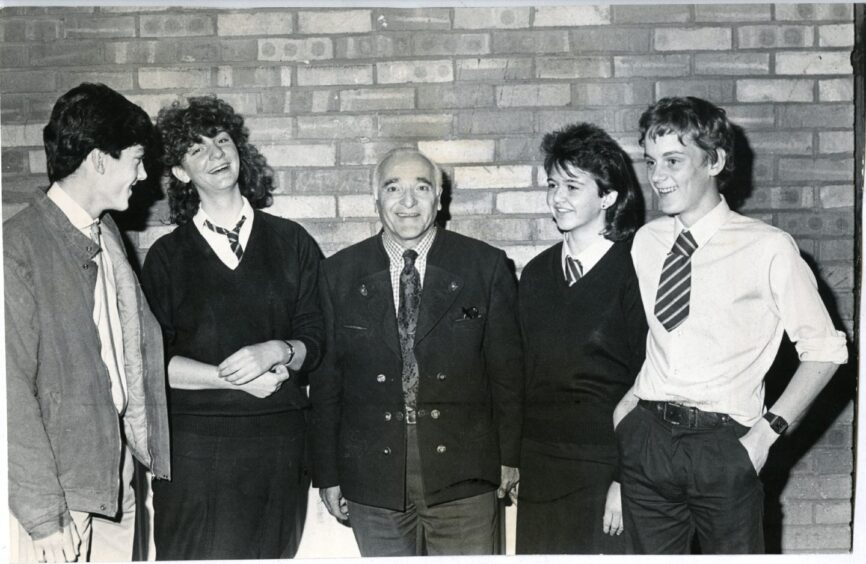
{"x":674,"y":415}
{"x":411,"y":418}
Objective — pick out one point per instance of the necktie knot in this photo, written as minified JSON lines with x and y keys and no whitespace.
{"x":685,"y":245}
{"x":409,"y":257}
{"x":95,"y":231}
{"x":573,"y":270}
{"x":233,"y":235}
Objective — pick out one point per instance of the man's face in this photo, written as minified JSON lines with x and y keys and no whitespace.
{"x":572,"y":196}
{"x":119,"y":176}
{"x":407,"y":198}
{"x":682,"y":176}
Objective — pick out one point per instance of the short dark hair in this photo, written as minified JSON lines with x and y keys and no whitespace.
{"x":703,"y":122}
{"x":182,"y":126}
{"x":589,"y":148}
{"x":92,"y":116}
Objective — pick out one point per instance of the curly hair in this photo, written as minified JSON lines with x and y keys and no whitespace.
{"x":207,"y":116}
{"x":589,"y":148}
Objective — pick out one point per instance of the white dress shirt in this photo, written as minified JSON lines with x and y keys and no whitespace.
{"x":748,"y":286}
{"x":588,"y":257}
{"x":220,"y":243}
{"x":395,"y":257}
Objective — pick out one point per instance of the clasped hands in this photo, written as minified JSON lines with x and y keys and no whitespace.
{"x":257,"y":369}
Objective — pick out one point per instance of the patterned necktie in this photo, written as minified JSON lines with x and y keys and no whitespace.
{"x":407,"y":321}
{"x":573,"y":270}
{"x":672,"y":298}
{"x":233,"y":235}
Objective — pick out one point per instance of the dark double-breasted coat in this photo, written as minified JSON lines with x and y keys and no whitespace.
{"x":468,"y":348}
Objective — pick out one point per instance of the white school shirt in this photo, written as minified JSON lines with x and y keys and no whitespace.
{"x":220,"y":243}
{"x":588,"y":257}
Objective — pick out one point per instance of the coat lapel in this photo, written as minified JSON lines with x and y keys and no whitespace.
{"x":375,"y":290}
{"x":441,"y":288}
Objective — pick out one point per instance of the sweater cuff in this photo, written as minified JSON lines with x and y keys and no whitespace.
{"x":314,"y":353}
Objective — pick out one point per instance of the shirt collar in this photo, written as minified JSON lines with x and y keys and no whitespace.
{"x":395,"y":250}
{"x":705,"y":227}
{"x":79,"y":218}
{"x":588,"y":257}
{"x":201,"y":216}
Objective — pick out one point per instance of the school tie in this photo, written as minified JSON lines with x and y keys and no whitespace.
{"x":407,"y":321}
{"x":573,"y":270}
{"x":233,"y":235}
{"x":672,"y":298}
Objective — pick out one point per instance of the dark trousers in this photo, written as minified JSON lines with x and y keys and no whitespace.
{"x":679,"y":480}
{"x":238,"y":489}
{"x":463,"y":526}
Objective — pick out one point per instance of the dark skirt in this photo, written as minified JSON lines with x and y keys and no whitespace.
{"x":561,"y":507}
{"x":238,"y":489}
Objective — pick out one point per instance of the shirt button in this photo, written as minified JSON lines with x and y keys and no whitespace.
{"x":440,"y":376}
{"x":380,"y":378}
{"x":387,"y":416}
{"x":386,"y":451}
{"x":441,"y":449}
{"x":434,"y":414}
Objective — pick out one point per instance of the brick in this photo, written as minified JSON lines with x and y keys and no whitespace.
{"x":346,"y":233}
{"x":418,"y":125}
{"x":356,"y":206}
{"x":798,"y":512}
{"x":333,"y":181}
{"x":836,"y":142}
{"x":491,"y":18}
{"x":822,"y":169}
{"x":365,"y":153}
{"x":836,"y":35}
{"x":29,"y":135}
{"x":519,"y":201}
{"x":279,"y":49}
{"x":779,"y":198}
{"x":817,"y":224}
{"x":334,"y":21}
{"x":380,"y":46}
{"x":471,"y":203}
{"x":455,"y":96}
{"x":173,"y":77}
{"x":118,"y":80}
{"x":570,"y":16}
{"x":304,"y":206}
{"x":544,"y":229}
{"x":201,"y":52}
{"x":732,"y":63}
{"x":814,"y":12}
{"x":523,"y":42}
{"x":774,"y":36}
{"x":269,"y":128}
{"x":83,"y":53}
{"x":656,"y":13}
{"x":492,"y":177}
{"x":125,"y":52}
{"x":29,"y":81}
{"x":12,"y":30}
{"x":152,"y":103}
{"x":815,"y":538}
{"x":311,"y":101}
{"x":335,"y":126}
{"x":807,"y":62}
{"x":493,"y":122}
{"x":833,"y":513}
{"x":550,"y":120}
{"x":837,"y":249}
{"x":89,"y":27}
{"x":492,"y":229}
{"x":494,"y":69}
{"x":732,"y":12}
{"x":258,"y":23}
{"x":612,"y":93}
{"x":147,"y":238}
{"x":719,"y":91}
{"x":15,"y":162}
{"x":370,"y":99}
{"x":516,"y":95}
{"x":836,"y":277}
{"x":610,"y":40}
{"x":836,"y":90}
{"x":335,"y":74}
{"x":438,"y":43}
{"x":837,"y":196}
{"x":413,"y":19}
{"x":42,"y":30}
{"x":14,"y":108}
{"x":692,"y":39}
{"x":459,"y":150}
{"x":782,"y":142}
{"x":229,"y":76}
{"x":652,"y":65}
{"x":818,"y":487}
{"x":394,"y":72}
{"x":815,"y":115}
{"x":523,"y":148}
{"x":299,"y":155}
{"x":244,"y":103}
{"x":175,"y":25}
{"x":569,"y":68}
{"x":522,"y":254}
{"x":775,"y":90}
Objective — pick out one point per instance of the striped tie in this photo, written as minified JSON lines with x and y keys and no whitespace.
{"x":672,"y":299}
{"x":573,"y":270}
{"x":233,"y":235}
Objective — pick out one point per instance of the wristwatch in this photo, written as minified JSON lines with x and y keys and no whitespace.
{"x":777,"y":422}
{"x":292,"y":352}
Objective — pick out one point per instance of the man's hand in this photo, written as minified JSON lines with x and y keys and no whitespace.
{"x":250,"y":362}
{"x":612,"y":520}
{"x":335,"y":502}
{"x":510,"y":477}
{"x":757,"y":443}
{"x":267,"y":383}
{"x":624,"y":407}
{"x":62,"y":546}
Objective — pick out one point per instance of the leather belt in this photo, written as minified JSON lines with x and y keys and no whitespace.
{"x":685,"y":416}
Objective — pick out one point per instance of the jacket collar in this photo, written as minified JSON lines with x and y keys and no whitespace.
{"x":79,"y":244}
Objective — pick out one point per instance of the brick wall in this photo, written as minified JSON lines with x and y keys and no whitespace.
{"x":326,"y":92}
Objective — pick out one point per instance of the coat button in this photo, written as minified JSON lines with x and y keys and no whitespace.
{"x":434,"y":414}
{"x":422,"y":412}
{"x":363,"y":290}
{"x":380,"y":378}
{"x":103,"y":507}
{"x":86,"y":266}
{"x":387,"y":416}
{"x":453,"y":286}
{"x":386,"y":451}
{"x":440,"y":376}
{"x":440,"y":449}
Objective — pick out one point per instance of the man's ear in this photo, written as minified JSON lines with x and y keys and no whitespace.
{"x":718,"y":166}
{"x":178,"y":172}
{"x":97,"y":159}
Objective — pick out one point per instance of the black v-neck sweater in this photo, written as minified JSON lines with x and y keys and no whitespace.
{"x":209,"y":311}
{"x":583,"y":348}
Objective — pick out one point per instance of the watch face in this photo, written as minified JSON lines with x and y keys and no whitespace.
{"x":777,"y":424}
